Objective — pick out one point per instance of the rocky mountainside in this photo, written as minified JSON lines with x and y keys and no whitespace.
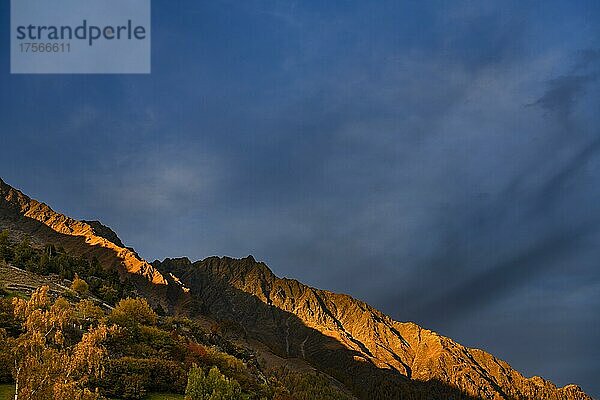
{"x":23,"y":216}
{"x":321,"y":326}
{"x":370,"y":353}
{"x":101,"y":239}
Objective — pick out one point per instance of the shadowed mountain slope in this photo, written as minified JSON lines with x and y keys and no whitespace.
{"x":14,"y":203}
{"x":23,"y":216}
{"x":370,"y":353}
{"x":401,"y":348}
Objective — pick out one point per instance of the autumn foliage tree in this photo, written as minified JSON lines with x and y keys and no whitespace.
{"x":131,"y":313}
{"x":88,"y":314}
{"x":80,"y":286}
{"x":50,"y":361}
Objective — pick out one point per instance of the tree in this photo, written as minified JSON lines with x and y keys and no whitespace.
{"x":80,"y":286}
{"x":6,"y":252}
{"x":49,"y":361}
{"x":7,"y":316}
{"x":108,"y":294}
{"x":214,"y":386}
{"x":24,"y":257}
{"x":94,"y":269}
{"x":134,"y":387}
{"x":6,"y":357}
{"x":131,"y":313}
{"x":88,"y":314}
{"x":85,"y":361}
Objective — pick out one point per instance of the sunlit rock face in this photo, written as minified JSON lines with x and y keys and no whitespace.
{"x":370,"y":353}
{"x":232,"y":289}
{"x":94,"y":237}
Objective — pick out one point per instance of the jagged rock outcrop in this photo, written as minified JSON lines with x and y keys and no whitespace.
{"x":230,"y":289}
{"x":95,"y":238}
{"x":104,"y":231}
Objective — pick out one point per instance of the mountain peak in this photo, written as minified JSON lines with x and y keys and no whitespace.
{"x":103,"y":240}
{"x":105,"y":232}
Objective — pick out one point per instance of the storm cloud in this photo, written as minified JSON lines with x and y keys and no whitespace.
{"x":439,"y":160}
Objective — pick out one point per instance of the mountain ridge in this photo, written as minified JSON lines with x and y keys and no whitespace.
{"x":329,"y":330}
{"x":93,"y":232}
{"x":415,"y":352}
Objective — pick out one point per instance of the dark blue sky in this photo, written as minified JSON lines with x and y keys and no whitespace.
{"x":439,"y":160}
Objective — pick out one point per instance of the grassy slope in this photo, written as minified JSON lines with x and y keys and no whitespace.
{"x":163,"y":396}
{"x":7,"y":392}
{"x":154,"y":396}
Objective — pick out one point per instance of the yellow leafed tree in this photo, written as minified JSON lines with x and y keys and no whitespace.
{"x":50,"y":363}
